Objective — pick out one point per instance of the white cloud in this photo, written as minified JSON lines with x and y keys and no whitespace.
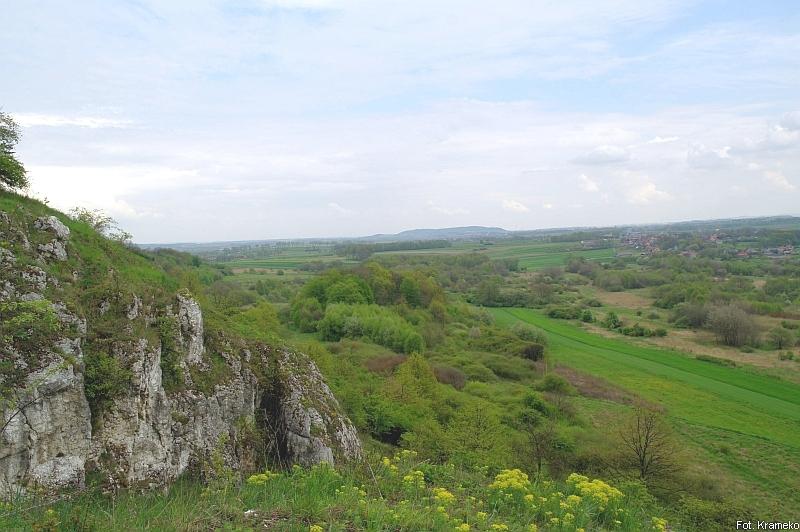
{"x":339,"y":209}
{"x":445,"y":210}
{"x":699,"y":156}
{"x":778,"y":180}
{"x":791,"y":121}
{"x":605,"y":154}
{"x":588,"y":184}
{"x":646,"y":193}
{"x":514,"y":205}
{"x":547,"y":206}
{"x":91,"y":122}
{"x":662,"y":140}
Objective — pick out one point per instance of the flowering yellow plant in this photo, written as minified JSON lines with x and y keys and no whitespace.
{"x":261,"y":479}
{"x":442,"y":495}
{"x":596,"y":490}
{"x":511,"y":479}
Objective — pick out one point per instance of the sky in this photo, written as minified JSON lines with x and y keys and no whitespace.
{"x":201,"y":120}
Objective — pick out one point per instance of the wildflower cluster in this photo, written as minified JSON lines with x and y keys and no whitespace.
{"x":596,"y":490}
{"x":415,"y":479}
{"x":511,"y":480}
{"x":261,"y":479}
{"x":659,"y":524}
{"x":443,"y":495}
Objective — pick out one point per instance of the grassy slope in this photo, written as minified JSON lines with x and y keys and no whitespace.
{"x":756,"y":416}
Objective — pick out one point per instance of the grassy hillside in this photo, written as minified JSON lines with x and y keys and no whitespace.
{"x":739,"y":416}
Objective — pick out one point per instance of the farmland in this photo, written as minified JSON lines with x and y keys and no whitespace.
{"x":530,"y":254}
{"x":709,"y":404}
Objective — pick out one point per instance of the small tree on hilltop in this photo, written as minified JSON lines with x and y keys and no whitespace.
{"x":12,"y":173}
{"x":102,"y":223}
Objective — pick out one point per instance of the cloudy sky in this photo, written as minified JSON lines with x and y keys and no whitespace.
{"x":195,"y":120}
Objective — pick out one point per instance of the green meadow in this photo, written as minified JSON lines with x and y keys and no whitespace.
{"x":742,"y":421}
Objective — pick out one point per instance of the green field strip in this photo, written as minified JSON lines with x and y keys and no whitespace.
{"x":699,"y":392}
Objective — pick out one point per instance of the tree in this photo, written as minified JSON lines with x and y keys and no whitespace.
{"x":647,"y":446}
{"x":12,"y":173}
{"x":102,"y":223}
{"x":733,"y":326}
{"x":539,"y":433}
{"x":781,"y":338}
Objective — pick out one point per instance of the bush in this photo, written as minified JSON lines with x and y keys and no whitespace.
{"x":733,"y":326}
{"x":104,"y":380}
{"x":694,"y":315}
{"x":533,"y":351}
{"x":564,"y":313}
{"x":717,"y":360}
{"x":554,"y":383}
{"x":529,"y":334}
{"x":612,"y":321}
{"x":378,"y":324}
{"x":780,"y":338}
{"x":306,"y":313}
{"x":384,"y":363}
{"x":452,"y":376}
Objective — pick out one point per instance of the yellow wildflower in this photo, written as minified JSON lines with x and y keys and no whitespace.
{"x":511,"y":479}
{"x":315,"y":528}
{"x":463,"y":527}
{"x":481,"y":516}
{"x":261,"y":479}
{"x":659,"y":524}
{"x":442,"y":495}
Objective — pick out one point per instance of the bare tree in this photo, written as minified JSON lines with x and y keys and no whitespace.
{"x":647,"y":445}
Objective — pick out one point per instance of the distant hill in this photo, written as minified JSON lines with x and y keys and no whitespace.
{"x":477,"y":232}
{"x":471,"y":232}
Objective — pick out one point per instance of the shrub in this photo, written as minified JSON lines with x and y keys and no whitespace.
{"x":612,"y":321}
{"x":692,"y":315}
{"x":378,"y":324}
{"x":564,"y":313}
{"x":533,"y":351}
{"x":384,"y":363}
{"x":780,"y":338}
{"x":556,"y":384}
{"x":452,"y":376}
{"x":717,"y":360}
{"x":104,"y":380}
{"x":306,"y":313}
{"x":530,"y":334}
{"x":27,"y":323}
{"x":733,"y":326}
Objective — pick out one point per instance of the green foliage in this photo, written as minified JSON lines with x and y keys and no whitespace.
{"x":378,"y":324}
{"x":12,"y":172}
{"x":554,"y":383}
{"x":171,"y":374}
{"x":401,"y":492}
{"x":105,"y":379}
{"x":780,"y":338}
{"x":306,"y":313}
{"x":27,"y":324}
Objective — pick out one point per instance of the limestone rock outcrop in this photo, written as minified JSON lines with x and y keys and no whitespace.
{"x":184,"y":395}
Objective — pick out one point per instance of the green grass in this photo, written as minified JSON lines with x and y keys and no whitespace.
{"x":288,"y":259}
{"x":752,"y":404}
{"x":399,"y":494}
{"x":757,"y":415}
{"x":531,"y":255}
